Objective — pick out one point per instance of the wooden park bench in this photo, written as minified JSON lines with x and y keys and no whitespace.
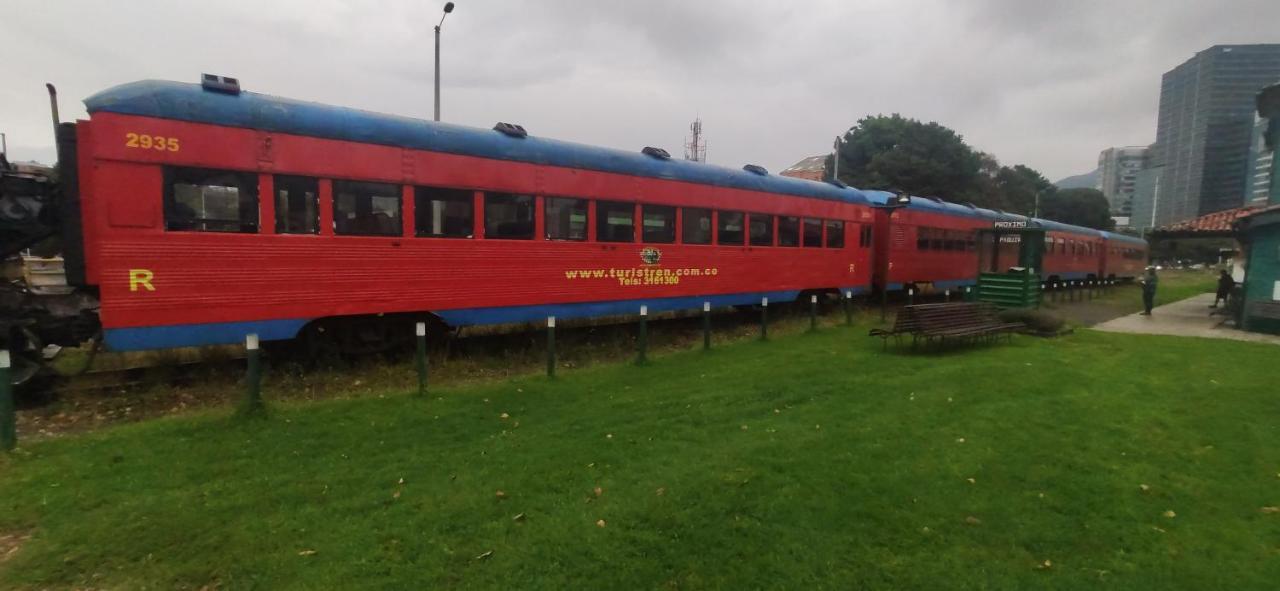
{"x":957,"y":322}
{"x":904,"y":323}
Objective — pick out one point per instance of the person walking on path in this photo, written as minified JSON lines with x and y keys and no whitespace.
{"x":1225,"y":285}
{"x":1149,"y":282}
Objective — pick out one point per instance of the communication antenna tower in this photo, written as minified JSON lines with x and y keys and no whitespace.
{"x":695,"y":146}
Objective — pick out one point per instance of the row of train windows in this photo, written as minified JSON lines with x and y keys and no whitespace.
{"x":944,"y":239}
{"x":1066,"y":246}
{"x":219,"y":201}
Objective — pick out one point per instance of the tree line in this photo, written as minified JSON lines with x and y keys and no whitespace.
{"x":895,"y":153}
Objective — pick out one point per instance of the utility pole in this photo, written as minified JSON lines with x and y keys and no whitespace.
{"x":448,"y":7}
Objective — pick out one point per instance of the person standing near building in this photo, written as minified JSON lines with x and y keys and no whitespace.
{"x":1225,"y":285}
{"x":1149,"y":282}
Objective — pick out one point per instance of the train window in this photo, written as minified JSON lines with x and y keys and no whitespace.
{"x":1062,"y":246}
{"x":730,"y":230}
{"x":658,"y":224}
{"x":508,"y":216}
{"x":366,"y":209}
{"x":203,"y":200}
{"x":615,"y":222}
{"x":937,"y":239}
{"x":761,"y":229}
{"x":922,"y":238}
{"x":697,"y":226}
{"x":835,"y":234}
{"x":443,"y":213}
{"x":297,"y":205}
{"x":566,"y":219}
{"x":864,"y":236}
{"x":812,"y":232}
{"x":788,"y":231}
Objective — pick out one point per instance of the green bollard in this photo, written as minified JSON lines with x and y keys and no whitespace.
{"x":8,"y":422}
{"x":643,"y":345}
{"x":253,"y":404}
{"x":421,"y":332}
{"x":911,"y":296}
{"x":813,"y":313}
{"x":848,"y":308}
{"x":947,"y":296}
{"x":764,"y":319}
{"x":706,"y":326}
{"x":551,"y":346}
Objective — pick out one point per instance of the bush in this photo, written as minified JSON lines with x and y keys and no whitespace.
{"x":1038,"y":321}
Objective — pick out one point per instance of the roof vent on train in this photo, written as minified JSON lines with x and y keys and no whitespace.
{"x":658,"y":153}
{"x":838,"y":183}
{"x":757,"y":169}
{"x":511,"y":129}
{"x":970,"y":205}
{"x":223,"y":84}
{"x":935,"y":200}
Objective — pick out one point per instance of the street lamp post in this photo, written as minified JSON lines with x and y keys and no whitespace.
{"x":448,"y":7}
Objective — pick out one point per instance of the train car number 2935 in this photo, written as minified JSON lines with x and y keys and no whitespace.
{"x":144,"y":141}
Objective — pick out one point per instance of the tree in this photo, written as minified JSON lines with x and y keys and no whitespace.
{"x":1081,"y":207}
{"x":896,"y":153}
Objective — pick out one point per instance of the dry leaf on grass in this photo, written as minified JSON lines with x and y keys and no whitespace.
{"x":500,"y":495}
{"x":661,"y":491}
{"x":1270,"y":509}
{"x":1170,"y":513}
{"x":599,"y":491}
{"x":306,"y":553}
{"x":1144,"y":487}
{"x":600,"y":523}
{"x":971,"y":520}
{"x":1046,"y":565}
{"x":485,"y":555}
{"x":518,"y":517}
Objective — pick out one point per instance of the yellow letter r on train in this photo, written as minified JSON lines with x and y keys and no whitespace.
{"x":141,"y":278}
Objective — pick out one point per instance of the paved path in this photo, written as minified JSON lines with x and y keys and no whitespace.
{"x":1187,"y":318}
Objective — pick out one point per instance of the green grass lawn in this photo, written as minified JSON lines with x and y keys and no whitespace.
{"x":809,"y":461}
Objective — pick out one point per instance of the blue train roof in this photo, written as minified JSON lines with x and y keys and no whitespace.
{"x":191,"y":102}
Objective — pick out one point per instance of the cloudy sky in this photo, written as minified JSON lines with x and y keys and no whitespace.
{"x":1038,"y":82}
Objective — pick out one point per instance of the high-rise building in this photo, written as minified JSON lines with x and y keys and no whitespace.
{"x":1120,"y":168}
{"x":1261,"y":165}
{"x":1204,"y":128}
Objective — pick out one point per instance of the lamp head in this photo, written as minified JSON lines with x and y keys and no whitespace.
{"x":448,"y":7}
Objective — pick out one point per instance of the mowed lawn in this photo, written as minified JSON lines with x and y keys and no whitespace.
{"x":809,"y":461}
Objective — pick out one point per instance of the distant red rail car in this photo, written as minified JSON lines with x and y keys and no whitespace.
{"x":210,"y":213}
{"x":931,"y":244}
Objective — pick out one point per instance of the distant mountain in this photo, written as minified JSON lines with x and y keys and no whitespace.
{"x":1088,"y":180}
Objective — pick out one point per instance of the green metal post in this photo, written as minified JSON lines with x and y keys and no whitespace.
{"x":764,"y":319}
{"x":813,"y":313}
{"x":8,"y":422}
{"x":848,"y":308}
{"x":947,"y":296}
{"x":911,"y":296}
{"x":706,"y":326}
{"x":253,"y":380}
{"x":551,"y":346}
{"x":421,"y":331}
{"x":643,"y":345}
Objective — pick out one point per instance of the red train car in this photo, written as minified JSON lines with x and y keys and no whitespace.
{"x":931,"y":245}
{"x":209,"y":214}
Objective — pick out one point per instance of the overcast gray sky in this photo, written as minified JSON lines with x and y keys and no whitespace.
{"x":1048,"y":84}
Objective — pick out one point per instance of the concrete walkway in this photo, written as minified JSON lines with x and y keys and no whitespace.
{"x":1187,"y":318}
